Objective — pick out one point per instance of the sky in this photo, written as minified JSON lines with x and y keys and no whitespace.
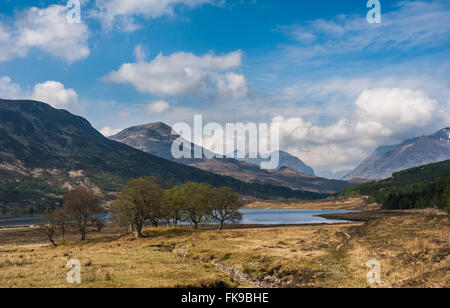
{"x":337,"y":85}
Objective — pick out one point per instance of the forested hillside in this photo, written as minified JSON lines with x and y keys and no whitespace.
{"x":420,"y":187}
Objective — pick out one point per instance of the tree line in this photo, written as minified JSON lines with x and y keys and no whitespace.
{"x":420,"y":187}
{"x":418,"y":196}
{"x":144,"y":201}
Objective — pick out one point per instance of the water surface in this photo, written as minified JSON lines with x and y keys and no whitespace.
{"x":20,"y":221}
{"x":250,"y":217}
{"x":288,"y":217}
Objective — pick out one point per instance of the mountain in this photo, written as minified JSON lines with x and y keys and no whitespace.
{"x":286,"y":160}
{"x":157,"y":139}
{"x":414,"y":152}
{"x":43,"y":149}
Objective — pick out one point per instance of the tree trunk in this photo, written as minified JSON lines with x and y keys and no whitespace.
{"x":53,"y":243}
{"x":83,"y":234}
{"x":221,"y":226}
{"x":138,"y":231}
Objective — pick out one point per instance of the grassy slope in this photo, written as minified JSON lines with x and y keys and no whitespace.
{"x":424,"y":180}
{"x":415,"y":255}
{"x":27,"y":196}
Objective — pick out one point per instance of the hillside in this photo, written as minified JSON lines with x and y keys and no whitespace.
{"x":414,"y":152}
{"x":424,"y":186}
{"x":286,"y":161}
{"x":157,"y":139}
{"x":55,"y":146}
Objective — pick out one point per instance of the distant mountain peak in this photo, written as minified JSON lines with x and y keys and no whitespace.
{"x":413,"y":152}
{"x":152,"y":129}
{"x":443,"y":135}
{"x":293,"y":173}
{"x":286,"y":160}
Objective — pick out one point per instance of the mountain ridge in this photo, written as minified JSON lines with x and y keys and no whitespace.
{"x":39,"y":141}
{"x":148,"y":139}
{"x":413,"y":152}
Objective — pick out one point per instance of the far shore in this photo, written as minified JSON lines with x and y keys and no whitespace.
{"x":353,"y":204}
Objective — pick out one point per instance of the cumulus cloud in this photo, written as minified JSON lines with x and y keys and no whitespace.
{"x":157,"y":107}
{"x":377,"y":115}
{"x":123,"y":12}
{"x":8,"y":89}
{"x":184,"y":74}
{"x":231,"y":85}
{"x":46,"y":29}
{"x":9,"y":48}
{"x":55,"y":94}
{"x":396,"y":106}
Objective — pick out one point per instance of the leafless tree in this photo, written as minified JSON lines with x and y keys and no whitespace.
{"x":61,"y":220}
{"x":82,"y":205}
{"x":49,"y":228}
{"x":224,"y":206}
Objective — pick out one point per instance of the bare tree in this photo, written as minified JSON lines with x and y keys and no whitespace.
{"x":49,"y":227}
{"x":99,"y":223}
{"x":61,"y":220}
{"x":82,"y":205}
{"x":224,"y":206}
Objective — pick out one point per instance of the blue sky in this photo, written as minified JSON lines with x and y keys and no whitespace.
{"x":338,"y":85}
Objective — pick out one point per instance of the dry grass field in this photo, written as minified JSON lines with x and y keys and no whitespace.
{"x":413,"y":249}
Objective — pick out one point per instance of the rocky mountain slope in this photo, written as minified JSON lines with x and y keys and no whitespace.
{"x":40,"y":145}
{"x":157,"y":139}
{"x":414,"y":152}
{"x":286,"y":160}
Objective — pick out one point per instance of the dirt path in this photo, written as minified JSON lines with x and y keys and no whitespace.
{"x":269,"y":283}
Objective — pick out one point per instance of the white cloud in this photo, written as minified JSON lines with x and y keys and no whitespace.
{"x":184,"y":74}
{"x":4,"y":35}
{"x":9,"y":90}
{"x":108,"y":131}
{"x":157,"y":107}
{"x":417,"y":25}
{"x":8,"y":46}
{"x":377,"y":115}
{"x":55,"y":94}
{"x":46,"y":29}
{"x":396,"y":107}
{"x":110,"y":11}
{"x":332,"y":156}
{"x":232,"y":85}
